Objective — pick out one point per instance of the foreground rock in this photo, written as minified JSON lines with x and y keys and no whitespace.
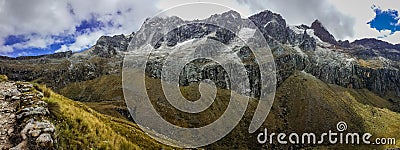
{"x":8,"y":92}
{"x":23,"y":118}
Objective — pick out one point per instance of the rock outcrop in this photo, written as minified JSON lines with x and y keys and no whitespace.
{"x":372,"y":48}
{"x":272,"y":24}
{"x":23,"y":118}
{"x":376,"y":44}
{"x":322,"y":33}
{"x":310,"y":49}
{"x":108,"y":46}
{"x":366,"y":63}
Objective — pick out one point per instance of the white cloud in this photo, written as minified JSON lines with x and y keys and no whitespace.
{"x":63,"y":48}
{"x":82,"y":42}
{"x":5,"y":49}
{"x":37,"y":41}
{"x":38,"y":20}
{"x":203,"y":12}
{"x":394,"y":38}
{"x":23,"y":54}
{"x":340,"y":17}
{"x":43,"y":18}
{"x":306,"y":11}
{"x":362,"y":13}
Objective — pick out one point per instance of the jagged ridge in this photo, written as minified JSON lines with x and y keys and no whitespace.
{"x":294,"y":48}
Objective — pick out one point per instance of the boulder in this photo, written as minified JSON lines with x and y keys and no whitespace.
{"x":38,"y":110}
{"x":44,"y":140}
{"x":14,"y":98}
{"x":34,"y":133}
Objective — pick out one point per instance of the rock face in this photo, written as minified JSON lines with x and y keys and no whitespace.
{"x":369,"y":48}
{"x":310,"y":49}
{"x":110,"y":46}
{"x":308,"y":43}
{"x":273,"y":25}
{"x":376,"y":44}
{"x":366,"y":63}
{"x":23,"y":118}
{"x":322,"y":33}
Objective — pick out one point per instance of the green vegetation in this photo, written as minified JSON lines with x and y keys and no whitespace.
{"x":372,"y":63}
{"x":104,"y":88}
{"x":103,"y":94}
{"x":303,"y":104}
{"x":80,"y":127}
{"x":116,"y":108}
{"x":306,"y":104}
{"x":3,"y":78}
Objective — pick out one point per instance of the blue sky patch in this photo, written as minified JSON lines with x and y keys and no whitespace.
{"x":85,"y":27}
{"x":14,"y":39}
{"x":89,"y":25}
{"x":385,"y":20}
{"x":33,"y":51}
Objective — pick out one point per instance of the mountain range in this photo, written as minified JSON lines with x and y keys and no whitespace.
{"x":320,"y":80}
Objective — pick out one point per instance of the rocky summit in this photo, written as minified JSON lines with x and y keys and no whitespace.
{"x":365,"y":63}
{"x":319,"y":78}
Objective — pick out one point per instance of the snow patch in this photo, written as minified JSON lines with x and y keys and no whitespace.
{"x":296,"y":29}
{"x":185,"y":42}
{"x":298,"y":50}
{"x":246,"y":33}
{"x":350,"y":59}
{"x":311,"y":32}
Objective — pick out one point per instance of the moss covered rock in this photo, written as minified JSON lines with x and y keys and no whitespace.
{"x":3,"y":78}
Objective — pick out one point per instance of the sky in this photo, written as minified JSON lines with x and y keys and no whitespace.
{"x":38,"y":27}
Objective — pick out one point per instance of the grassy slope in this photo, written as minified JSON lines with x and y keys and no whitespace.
{"x":80,"y":127}
{"x":103,"y":94}
{"x":115,"y":108}
{"x":306,"y":104}
{"x":104,"y":88}
{"x":303,"y":104}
